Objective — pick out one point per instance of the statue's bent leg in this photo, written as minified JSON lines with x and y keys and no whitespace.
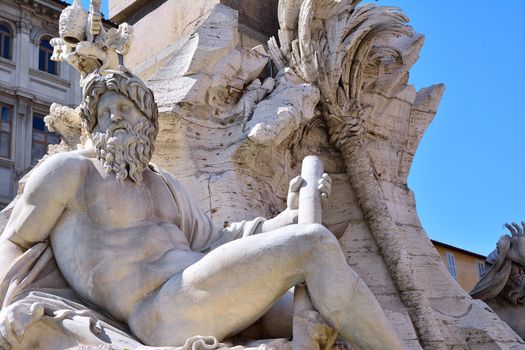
{"x":235,"y":284}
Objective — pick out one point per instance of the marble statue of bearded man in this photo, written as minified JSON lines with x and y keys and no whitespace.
{"x":101,"y":233}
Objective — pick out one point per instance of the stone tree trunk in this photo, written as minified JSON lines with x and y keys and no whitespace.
{"x":348,"y":138}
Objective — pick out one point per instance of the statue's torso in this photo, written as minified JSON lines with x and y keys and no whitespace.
{"x":117,"y":242}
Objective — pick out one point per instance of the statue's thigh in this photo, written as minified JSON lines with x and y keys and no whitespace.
{"x":224,"y":292}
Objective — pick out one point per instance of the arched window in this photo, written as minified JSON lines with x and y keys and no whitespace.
{"x":45,"y":51}
{"x":6,"y":42}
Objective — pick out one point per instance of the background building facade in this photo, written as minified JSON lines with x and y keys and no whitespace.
{"x":29,"y":83}
{"x":465,"y":266}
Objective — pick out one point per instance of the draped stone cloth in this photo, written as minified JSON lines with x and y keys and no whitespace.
{"x":493,"y":282}
{"x":34,"y":284}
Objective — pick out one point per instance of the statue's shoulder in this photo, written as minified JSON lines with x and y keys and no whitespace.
{"x":59,"y":167}
{"x":67,"y":161}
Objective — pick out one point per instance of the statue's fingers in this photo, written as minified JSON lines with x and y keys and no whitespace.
{"x":324,"y":189}
{"x":326,"y":183}
{"x":324,"y":197}
{"x":327,"y":178}
{"x":511,"y":229}
{"x":293,"y":201}
{"x":518,"y":229}
{"x":295,"y":184}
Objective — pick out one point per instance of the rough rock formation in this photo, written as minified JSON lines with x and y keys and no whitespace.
{"x":340,"y":92}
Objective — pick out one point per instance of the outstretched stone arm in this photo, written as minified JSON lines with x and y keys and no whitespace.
{"x":204,"y":236}
{"x":45,"y":197}
{"x":197,"y":226}
{"x":289,"y":215}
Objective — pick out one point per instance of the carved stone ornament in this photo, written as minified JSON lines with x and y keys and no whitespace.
{"x":66,"y":122}
{"x":96,"y":50}
{"x":72,"y":23}
{"x":104,"y":250}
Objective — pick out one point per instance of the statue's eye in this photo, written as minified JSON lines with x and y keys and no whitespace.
{"x":124,"y":108}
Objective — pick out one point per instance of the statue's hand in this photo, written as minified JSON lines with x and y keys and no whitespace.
{"x":290,"y":214}
{"x":517,"y":247}
{"x":292,"y":203}
{"x":15,"y":319}
{"x":325,"y":187}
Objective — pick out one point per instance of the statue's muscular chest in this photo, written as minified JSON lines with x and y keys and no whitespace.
{"x":111,"y":203}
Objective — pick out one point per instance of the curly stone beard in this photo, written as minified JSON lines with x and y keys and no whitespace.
{"x":125,"y":149}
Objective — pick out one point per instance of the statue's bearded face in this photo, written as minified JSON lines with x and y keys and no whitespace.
{"x":123,"y":137}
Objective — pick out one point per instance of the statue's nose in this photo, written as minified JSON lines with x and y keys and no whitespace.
{"x":116,"y":117}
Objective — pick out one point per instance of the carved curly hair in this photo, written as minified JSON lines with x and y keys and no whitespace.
{"x":123,"y":82}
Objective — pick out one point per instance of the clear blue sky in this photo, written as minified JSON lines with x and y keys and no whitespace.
{"x":468,"y":174}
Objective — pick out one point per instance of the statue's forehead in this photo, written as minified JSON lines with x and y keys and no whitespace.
{"x":112,"y":97}
{"x":113,"y":94}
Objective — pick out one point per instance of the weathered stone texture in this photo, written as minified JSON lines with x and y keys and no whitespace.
{"x":391,"y":252}
{"x":256,"y":14}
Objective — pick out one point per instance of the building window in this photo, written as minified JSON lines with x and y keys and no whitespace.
{"x":45,"y":51}
{"x":452,"y":265}
{"x":481,"y":269}
{"x":6,"y":129}
{"x":5,"y":41}
{"x":41,"y":139}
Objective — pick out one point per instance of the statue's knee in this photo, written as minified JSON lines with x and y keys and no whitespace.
{"x":317,"y":233}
